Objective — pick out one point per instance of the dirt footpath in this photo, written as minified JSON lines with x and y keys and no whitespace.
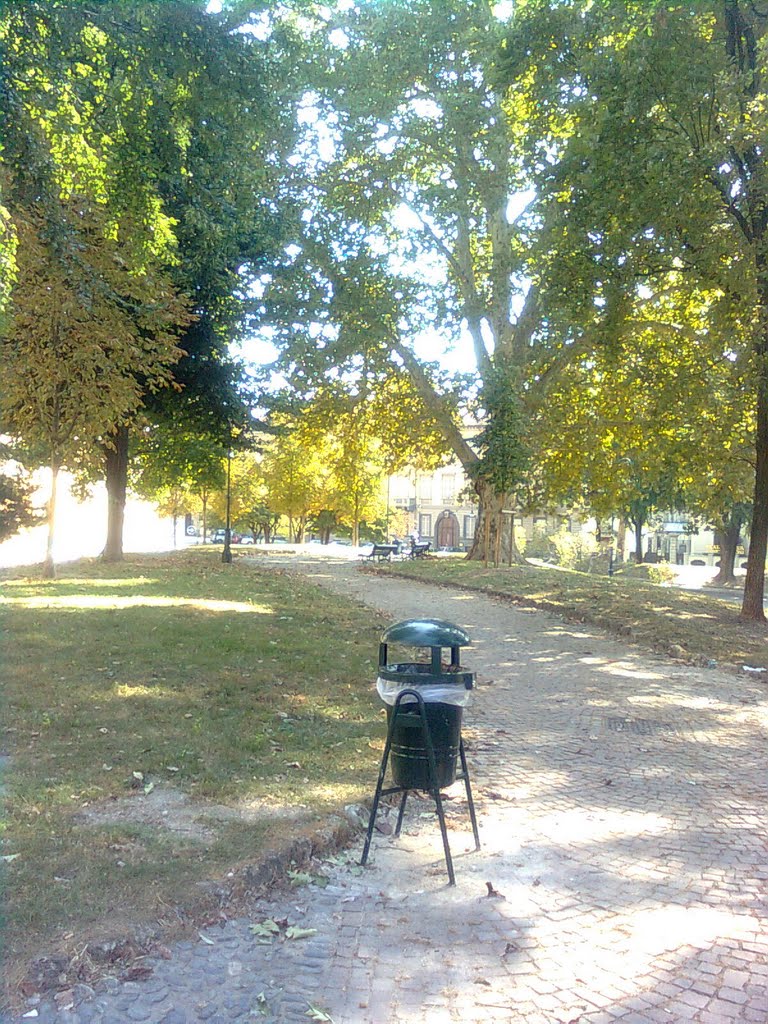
{"x":622,"y":809}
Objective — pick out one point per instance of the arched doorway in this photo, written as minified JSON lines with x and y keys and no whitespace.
{"x":446,"y":531}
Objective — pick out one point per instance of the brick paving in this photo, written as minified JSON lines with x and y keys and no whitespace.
{"x":622,"y":809}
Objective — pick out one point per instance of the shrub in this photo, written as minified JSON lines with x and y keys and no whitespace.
{"x":574,"y":550}
{"x":539,"y":546}
{"x":660,"y":572}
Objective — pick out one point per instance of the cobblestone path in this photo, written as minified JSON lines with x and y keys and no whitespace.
{"x":622,"y":804}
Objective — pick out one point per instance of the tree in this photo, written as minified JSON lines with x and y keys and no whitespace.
{"x":656,"y":418}
{"x":182,"y":462}
{"x":408,"y":226}
{"x":248,"y":496}
{"x":291,"y":469}
{"x":171,"y":123}
{"x":649,"y":176}
{"x":357,"y":469}
{"x":70,"y":354}
{"x":219,"y":185}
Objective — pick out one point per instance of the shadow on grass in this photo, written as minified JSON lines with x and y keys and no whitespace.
{"x":230,"y":686}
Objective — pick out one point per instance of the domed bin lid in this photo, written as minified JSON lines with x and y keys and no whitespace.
{"x":425,"y":633}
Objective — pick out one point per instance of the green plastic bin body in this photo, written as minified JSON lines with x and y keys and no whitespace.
{"x":443,"y":687}
{"x":409,"y":761}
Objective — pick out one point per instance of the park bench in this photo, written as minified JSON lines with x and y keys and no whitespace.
{"x":419,"y":550}
{"x":380,"y":552}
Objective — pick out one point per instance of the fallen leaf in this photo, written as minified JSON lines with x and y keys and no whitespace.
{"x":294,"y":932}
{"x":314,"y":1014}
{"x":140,"y":973}
{"x":265,"y":929}
{"x":299,"y":878}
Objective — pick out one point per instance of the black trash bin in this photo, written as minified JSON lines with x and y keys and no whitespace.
{"x":444,"y":688}
{"x":425,"y":700}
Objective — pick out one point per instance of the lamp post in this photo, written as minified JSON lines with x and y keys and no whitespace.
{"x":610,"y":552}
{"x":226,"y":554}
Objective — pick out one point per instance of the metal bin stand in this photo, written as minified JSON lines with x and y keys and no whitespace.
{"x":424,"y":735}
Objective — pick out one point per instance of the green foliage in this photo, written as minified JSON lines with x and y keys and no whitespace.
{"x":644,"y":127}
{"x":406,"y":232}
{"x":174,"y":457}
{"x":17,"y":511}
{"x":75,"y":343}
{"x":573,"y":550}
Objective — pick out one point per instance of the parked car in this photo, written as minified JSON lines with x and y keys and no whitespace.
{"x":218,"y":536}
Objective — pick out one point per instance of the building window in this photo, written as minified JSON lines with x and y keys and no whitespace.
{"x":425,"y":525}
{"x":448,"y":487}
{"x":425,"y":488}
{"x":469,"y":527}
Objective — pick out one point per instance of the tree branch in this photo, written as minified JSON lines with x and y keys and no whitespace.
{"x":732,"y":209}
{"x":437,"y":408}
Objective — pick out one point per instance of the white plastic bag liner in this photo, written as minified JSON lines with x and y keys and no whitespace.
{"x":433,"y":693}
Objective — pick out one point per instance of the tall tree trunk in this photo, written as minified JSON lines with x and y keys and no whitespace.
{"x":754,"y":584}
{"x":493,"y":540}
{"x":637,"y":526}
{"x":49,"y":567}
{"x":728,"y":541}
{"x":204,"y":499}
{"x":117,"y":483}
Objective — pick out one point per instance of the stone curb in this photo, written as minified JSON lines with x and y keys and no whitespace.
{"x":54,"y":974}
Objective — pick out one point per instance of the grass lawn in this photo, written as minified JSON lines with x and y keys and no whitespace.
{"x":659,"y":617}
{"x":166,"y":719}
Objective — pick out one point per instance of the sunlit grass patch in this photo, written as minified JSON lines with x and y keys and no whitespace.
{"x":232,"y":686}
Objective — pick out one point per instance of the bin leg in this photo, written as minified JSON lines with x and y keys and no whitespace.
{"x":400,"y":814}
{"x":432,"y":764}
{"x":434,"y":789}
{"x":379,"y":787}
{"x":470,"y":801}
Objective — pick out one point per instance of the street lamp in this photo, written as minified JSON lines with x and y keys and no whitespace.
{"x":226,"y":554}
{"x":610,"y":552}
